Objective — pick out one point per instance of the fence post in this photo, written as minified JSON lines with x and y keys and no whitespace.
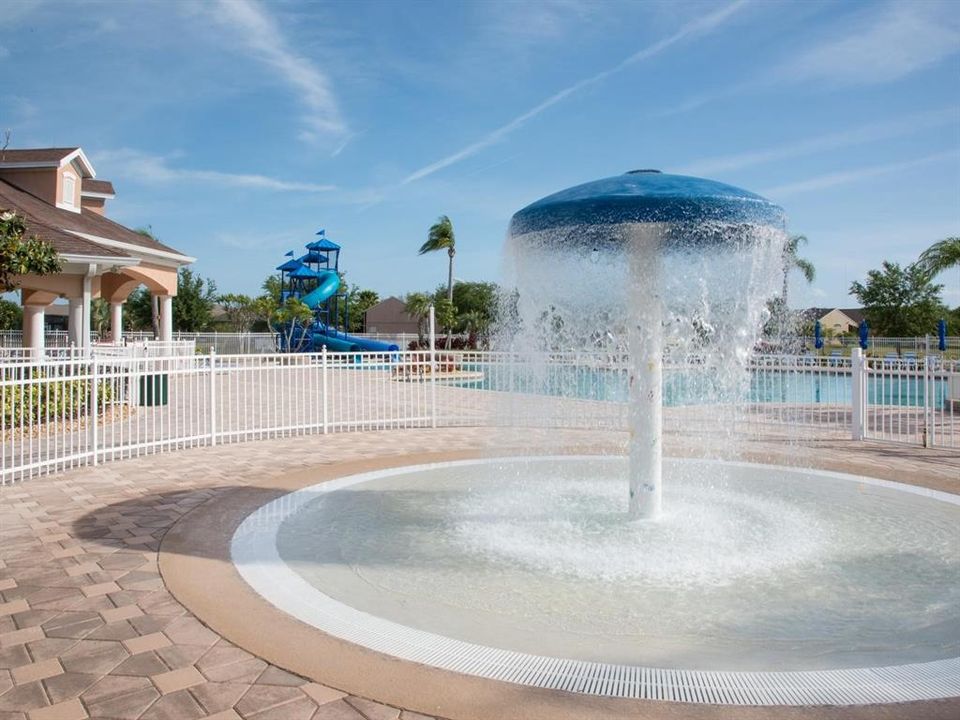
{"x":928,"y":440}
{"x":858,"y":395}
{"x":213,"y":397}
{"x":94,"y":409}
{"x":323,"y":385}
{"x":433,"y":368}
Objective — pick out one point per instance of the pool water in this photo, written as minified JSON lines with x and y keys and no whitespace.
{"x":692,"y":388}
{"x":750,"y":568}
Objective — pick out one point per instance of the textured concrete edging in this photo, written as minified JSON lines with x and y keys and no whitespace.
{"x":197,"y":569}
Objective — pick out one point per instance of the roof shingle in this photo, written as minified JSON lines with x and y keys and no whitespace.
{"x":98,"y":186}
{"x":39,"y":155}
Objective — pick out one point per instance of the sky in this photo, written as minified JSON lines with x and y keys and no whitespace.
{"x":236,"y":129}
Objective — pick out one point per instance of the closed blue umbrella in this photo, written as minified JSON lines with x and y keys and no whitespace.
{"x":942,"y":335}
{"x":864,"y":334}
{"x":817,"y":335}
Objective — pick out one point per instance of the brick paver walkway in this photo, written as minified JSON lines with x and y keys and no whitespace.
{"x":87,"y":628}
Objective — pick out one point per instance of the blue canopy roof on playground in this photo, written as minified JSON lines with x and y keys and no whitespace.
{"x":322,"y":244}
{"x":289,"y":266}
{"x":312,"y":257}
{"x":304,"y":273}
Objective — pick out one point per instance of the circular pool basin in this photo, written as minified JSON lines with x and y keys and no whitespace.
{"x":757,"y":585}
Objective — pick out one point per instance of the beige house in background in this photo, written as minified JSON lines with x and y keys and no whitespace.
{"x":389,"y":317}
{"x":837,"y":320}
{"x":56,"y":191}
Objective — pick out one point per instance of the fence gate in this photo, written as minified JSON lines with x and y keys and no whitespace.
{"x":914,"y":400}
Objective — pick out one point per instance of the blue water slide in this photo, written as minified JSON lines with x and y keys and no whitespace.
{"x":362,"y":343}
{"x":328,"y":282}
{"x":334,"y":344}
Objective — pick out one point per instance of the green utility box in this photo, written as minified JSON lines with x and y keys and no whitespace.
{"x":153,"y":389}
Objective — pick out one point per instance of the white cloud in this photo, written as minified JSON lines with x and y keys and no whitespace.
{"x":135,"y":166}
{"x":4,"y":52}
{"x":260,"y":34}
{"x":886,"y":43}
{"x":899,"y":39}
{"x":845,"y":177}
{"x":700,"y":26}
{"x":873,"y":132}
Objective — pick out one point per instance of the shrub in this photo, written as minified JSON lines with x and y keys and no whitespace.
{"x":34,"y":402}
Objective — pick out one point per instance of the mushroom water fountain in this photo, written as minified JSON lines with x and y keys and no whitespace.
{"x":647,"y":226}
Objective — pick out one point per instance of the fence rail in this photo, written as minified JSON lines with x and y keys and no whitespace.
{"x":74,"y":410}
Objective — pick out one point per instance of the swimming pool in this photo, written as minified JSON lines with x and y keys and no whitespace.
{"x":692,"y":386}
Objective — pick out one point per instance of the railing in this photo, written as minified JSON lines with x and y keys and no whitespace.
{"x":74,"y":411}
{"x":147,"y":348}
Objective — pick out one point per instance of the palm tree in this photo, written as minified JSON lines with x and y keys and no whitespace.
{"x":793,"y":261}
{"x":940,"y":256}
{"x":439,"y":237}
{"x":418,"y":305}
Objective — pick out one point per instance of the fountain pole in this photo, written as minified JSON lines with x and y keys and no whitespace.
{"x":646,"y":371}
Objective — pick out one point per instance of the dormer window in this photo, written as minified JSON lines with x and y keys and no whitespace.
{"x":69,"y":190}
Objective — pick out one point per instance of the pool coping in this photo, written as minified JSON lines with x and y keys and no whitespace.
{"x":201,"y":579}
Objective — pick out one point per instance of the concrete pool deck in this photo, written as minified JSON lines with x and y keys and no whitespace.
{"x":92,"y":623}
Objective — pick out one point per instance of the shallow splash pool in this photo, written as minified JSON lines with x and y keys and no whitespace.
{"x":753,"y":570}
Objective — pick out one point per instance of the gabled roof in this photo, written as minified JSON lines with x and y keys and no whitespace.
{"x":98,"y":230}
{"x":855,"y":314}
{"x":816,"y":313}
{"x":97,"y":188}
{"x":46,"y":157}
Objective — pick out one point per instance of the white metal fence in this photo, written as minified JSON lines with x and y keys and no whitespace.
{"x":74,"y":411}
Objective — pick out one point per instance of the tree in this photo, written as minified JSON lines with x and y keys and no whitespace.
{"x":11,"y":315}
{"x":793,"y":261}
{"x":940,"y":256}
{"x":445,"y":314}
{"x":99,"y":316}
{"x":138,"y":310}
{"x":898,"y":301}
{"x":418,"y":305}
{"x":292,"y":316}
{"x":360,"y":301}
{"x":271,"y":286}
{"x":20,"y":255}
{"x":476,"y":324}
{"x":193,"y":304}
{"x":239,"y":310}
{"x":441,"y":237}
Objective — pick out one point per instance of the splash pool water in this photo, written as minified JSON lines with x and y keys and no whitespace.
{"x":752,"y":568}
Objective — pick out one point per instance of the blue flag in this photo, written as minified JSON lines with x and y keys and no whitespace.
{"x":288,"y":254}
{"x":321,"y":232}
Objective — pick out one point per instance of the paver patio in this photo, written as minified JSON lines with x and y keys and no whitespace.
{"x":88,"y":629}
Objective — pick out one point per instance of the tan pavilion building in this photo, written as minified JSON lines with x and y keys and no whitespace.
{"x":57,"y":192}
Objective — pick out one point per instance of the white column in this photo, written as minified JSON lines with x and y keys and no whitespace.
{"x":116,"y":322}
{"x":33,"y":330}
{"x":87,"y":300}
{"x":645,"y":339}
{"x":75,"y":321}
{"x":166,"y":318}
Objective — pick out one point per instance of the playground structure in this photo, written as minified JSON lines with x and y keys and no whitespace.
{"x":314,"y":279}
